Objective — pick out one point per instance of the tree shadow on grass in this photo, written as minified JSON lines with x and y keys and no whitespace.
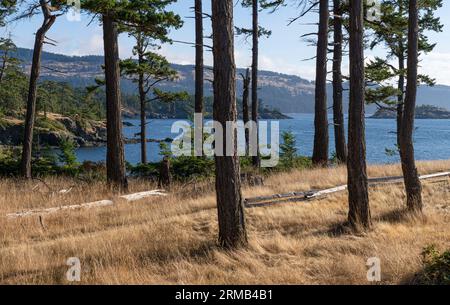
{"x":399,"y":216}
{"x":339,"y":229}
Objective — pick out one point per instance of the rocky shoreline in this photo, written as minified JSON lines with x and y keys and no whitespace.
{"x":266,"y":114}
{"x":422,"y":112}
{"x":53,"y":129}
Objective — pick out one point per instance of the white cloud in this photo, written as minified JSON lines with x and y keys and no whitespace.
{"x":436,"y":65}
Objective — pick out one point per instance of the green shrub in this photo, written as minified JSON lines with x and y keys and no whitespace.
{"x":182,"y":168}
{"x":436,"y":267}
{"x":288,"y":150}
{"x":48,"y":124}
{"x":67,"y":152}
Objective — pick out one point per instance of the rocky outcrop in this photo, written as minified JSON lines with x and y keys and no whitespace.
{"x":422,"y":112}
{"x":86,"y":132}
{"x":53,"y":129}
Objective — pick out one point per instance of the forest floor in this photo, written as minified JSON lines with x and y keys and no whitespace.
{"x":172,"y":239}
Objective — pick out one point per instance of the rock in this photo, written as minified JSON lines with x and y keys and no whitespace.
{"x":422,"y":112}
{"x":11,"y":135}
{"x":83,"y":133}
{"x":50,"y":138}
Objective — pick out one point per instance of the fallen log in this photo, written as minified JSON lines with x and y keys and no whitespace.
{"x":142,"y":195}
{"x":276,"y":196}
{"x":263,"y":201}
{"x":101,"y":203}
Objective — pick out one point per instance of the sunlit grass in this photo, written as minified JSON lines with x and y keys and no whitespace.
{"x":171,"y":240}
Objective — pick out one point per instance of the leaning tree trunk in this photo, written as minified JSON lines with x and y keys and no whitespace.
{"x":411,"y":176}
{"x":359,"y":210}
{"x":232,"y":232}
{"x":115,"y":160}
{"x":256,"y":160}
{"x":245,"y":110}
{"x":199,"y":69}
{"x":320,"y":152}
{"x":49,"y":20}
{"x":338,"y":114}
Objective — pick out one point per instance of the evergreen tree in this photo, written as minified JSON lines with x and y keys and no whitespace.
{"x":150,"y":68}
{"x":321,"y":137}
{"x":413,"y":185}
{"x":391,"y":31}
{"x":199,"y":70}
{"x":148,"y":16}
{"x":255,"y":32}
{"x":230,"y":205}
{"x":338,"y":114}
{"x":358,"y":194}
{"x":50,"y":13}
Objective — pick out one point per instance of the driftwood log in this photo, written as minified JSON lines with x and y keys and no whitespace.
{"x":305,"y":196}
{"x":95,"y":204}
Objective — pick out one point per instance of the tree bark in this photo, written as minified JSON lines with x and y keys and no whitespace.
{"x":320,"y":152}
{"x":359,"y":210}
{"x":49,"y":20}
{"x":401,"y":95}
{"x":256,"y":160}
{"x":232,"y":232}
{"x":199,"y":66}
{"x":115,"y":159}
{"x":401,"y":83}
{"x":142,"y":99}
{"x":245,"y":109}
{"x":412,"y":183}
{"x":165,"y":178}
{"x":338,"y":114}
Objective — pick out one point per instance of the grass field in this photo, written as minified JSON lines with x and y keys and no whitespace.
{"x":172,"y":240}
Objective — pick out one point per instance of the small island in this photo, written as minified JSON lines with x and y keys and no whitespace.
{"x":422,"y":112}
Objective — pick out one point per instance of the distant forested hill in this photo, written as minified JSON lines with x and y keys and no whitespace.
{"x":287,"y":93}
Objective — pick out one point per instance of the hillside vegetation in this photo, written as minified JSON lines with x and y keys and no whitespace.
{"x":54,"y":128}
{"x":171,"y":240}
{"x":288,"y":93}
{"x":422,"y":112}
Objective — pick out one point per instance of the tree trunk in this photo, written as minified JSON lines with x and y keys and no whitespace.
{"x":256,"y":161}
{"x":338,"y":114}
{"x":115,"y":160}
{"x":412,"y":183}
{"x":359,"y":210}
{"x":400,"y":96}
{"x":320,"y":153}
{"x":49,"y":20}
{"x":199,"y":68}
{"x":142,"y":97}
{"x":142,"y":100}
{"x":165,"y":178}
{"x":245,"y":110}
{"x":232,"y":232}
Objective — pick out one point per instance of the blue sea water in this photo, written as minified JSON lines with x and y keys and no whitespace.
{"x":431,"y":139}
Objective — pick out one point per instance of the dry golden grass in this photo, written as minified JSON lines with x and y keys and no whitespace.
{"x":171,"y":240}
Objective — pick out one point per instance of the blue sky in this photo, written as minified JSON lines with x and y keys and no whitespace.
{"x":283,"y":52}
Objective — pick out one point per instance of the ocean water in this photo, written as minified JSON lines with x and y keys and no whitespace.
{"x":431,"y":139}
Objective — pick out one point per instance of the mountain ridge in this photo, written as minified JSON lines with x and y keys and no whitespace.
{"x":287,"y":93}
